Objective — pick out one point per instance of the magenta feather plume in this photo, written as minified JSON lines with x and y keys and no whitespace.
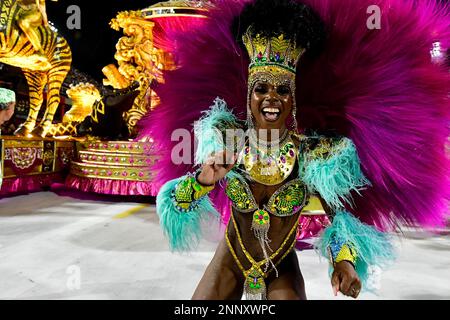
{"x":211,"y":65}
{"x":377,"y":87}
{"x":165,"y":27}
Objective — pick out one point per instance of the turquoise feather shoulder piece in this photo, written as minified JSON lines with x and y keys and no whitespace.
{"x":210,"y":130}
{"x":331,"y":167}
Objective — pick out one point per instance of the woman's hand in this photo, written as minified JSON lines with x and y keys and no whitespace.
{"x":216,"y":167}
{"x":345,"y":279}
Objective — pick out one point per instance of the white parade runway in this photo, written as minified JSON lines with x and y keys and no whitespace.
{"x":58,"y":247}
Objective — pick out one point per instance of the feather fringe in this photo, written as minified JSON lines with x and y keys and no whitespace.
{"x":336,"y":177}
{"x":208,"y":130}
{"x":183,"y":229}
{"x":374,"y":248}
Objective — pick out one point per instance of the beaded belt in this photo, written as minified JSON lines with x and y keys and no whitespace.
{"x":254,"y":285}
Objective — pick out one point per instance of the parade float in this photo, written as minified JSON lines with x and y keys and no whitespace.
{"x":92,"y":147}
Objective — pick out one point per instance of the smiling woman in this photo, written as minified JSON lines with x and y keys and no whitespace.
{"x":265,"y":180}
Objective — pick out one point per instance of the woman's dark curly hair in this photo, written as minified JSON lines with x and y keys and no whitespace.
{"x":293,"y":19}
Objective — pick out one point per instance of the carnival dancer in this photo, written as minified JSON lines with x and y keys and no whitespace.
{"x":325,"y":115}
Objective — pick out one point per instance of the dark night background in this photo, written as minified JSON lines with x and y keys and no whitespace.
{"x":93,"y":46}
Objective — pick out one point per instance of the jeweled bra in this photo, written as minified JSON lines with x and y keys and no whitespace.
{"x":288,"y":200}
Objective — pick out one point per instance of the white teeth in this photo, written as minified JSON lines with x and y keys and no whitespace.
{"x":271,"y":110}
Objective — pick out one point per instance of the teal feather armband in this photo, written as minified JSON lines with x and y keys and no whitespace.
{"x":367,"y":246}
{"x":182,"y":208}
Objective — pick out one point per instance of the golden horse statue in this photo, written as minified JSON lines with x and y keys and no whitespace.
{"x":27,"y":41}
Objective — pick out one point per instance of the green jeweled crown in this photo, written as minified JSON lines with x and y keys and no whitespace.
{"x":271,"y":52}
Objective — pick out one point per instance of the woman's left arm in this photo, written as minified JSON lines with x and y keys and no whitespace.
{"x":342,"y":257}
{"x":331,"y":169}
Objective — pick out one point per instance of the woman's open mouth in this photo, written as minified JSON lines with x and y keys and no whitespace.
{"x":271,"y":114}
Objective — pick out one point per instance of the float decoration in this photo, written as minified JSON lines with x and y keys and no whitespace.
{"x":112,"y":167}
{"x":33,"y":164}
{"x":138,"y":60}
{"x":42,"y":54}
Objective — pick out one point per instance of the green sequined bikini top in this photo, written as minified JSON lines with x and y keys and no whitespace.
{"x":293,"y":195}
{"x":286,"y":201}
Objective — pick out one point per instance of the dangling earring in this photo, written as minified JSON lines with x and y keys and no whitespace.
{"x":294,"y":116}
{"x":294,"y":122}
{"x":250,"y":123}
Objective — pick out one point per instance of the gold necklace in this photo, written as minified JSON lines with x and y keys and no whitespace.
{"x":254,"y":285}
{"x":270,"y":165}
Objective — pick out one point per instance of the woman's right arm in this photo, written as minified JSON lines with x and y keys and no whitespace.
{"x":182,"y":204}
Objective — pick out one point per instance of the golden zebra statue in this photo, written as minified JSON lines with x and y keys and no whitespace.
{"x":46,"y":67}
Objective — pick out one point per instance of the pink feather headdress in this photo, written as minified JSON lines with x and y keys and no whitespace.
{"x":378,"y":87}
